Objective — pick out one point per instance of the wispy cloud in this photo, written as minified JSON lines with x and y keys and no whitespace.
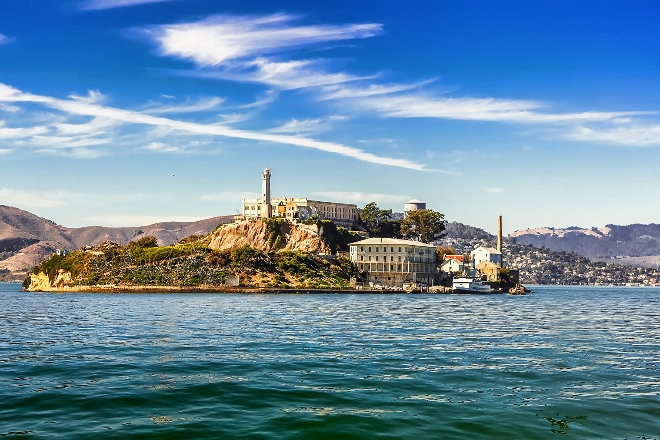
{"x":89,"y":5}
{"x":5,"y":151}
{"x":184,"y":147}
{"x":296,"y":126}
{"x":396,"y":101}
{"x":272,"y":50}
{"x":283,"y":75}
{"x":493,"y":190}
{"x":78,"y":107}
{"x":32,"y":199}
{"x":631,"y":133}
{"x":222,"y":38}
{"x":249,"y":48}
{"x":5,"y":39}
{"x":200,"y":105}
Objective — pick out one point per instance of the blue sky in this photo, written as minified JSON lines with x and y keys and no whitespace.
{"x":128,"y":112}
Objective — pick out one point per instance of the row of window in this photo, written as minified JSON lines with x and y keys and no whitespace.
{"x":429,"y":251}
{"x":423,"y":268}
{"x":384,"y":258}
{"x":377,"y":248}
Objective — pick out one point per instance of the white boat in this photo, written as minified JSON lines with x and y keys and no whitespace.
{"x":471,"y":285}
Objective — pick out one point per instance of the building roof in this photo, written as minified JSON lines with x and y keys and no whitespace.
{"x":487,"y":249}
{"x":414,"y":201}
{"x":454,"y":257}
{"x":391,"y":241}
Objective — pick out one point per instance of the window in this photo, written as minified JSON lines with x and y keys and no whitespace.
{"x":399,"y":248}
{"x":376,"y":248}
{"x":392,"y":249}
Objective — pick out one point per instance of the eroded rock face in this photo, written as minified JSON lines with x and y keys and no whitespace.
{"x":40,"y":282}
{"x":255,"y":233}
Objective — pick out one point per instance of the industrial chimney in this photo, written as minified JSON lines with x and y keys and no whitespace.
{"x":499,"y":234}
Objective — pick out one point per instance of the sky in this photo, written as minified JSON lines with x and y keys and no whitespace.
{"x":130,"y":112}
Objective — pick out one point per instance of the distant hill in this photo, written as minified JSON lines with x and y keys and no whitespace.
{"x":26,"y":239}
{"x":635,"y":244}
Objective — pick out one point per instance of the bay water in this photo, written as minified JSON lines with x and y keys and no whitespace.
{"x":561,"y":362}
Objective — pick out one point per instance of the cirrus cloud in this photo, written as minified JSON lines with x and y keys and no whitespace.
{"x":222,"y":38}
{"x":129,"y":117}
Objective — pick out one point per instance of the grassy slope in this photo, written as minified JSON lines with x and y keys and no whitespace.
{"x":194,"y":264}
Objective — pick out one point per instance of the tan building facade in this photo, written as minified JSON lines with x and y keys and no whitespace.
{"x":392,"y":262}
{"x":295,"y":209}
{"x":302,"y":208}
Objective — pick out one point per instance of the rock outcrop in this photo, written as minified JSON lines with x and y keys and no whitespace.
{"x":258,"y":235}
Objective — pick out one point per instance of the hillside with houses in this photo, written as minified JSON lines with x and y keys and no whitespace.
{"x":540,"y":265}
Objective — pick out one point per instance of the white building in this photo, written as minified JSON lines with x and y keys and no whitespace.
{"x":485,"y":254}
{"x":452,"y":266}
{"x":392,"y":262}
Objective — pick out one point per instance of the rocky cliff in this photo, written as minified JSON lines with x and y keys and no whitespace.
{"x":270,"y":235}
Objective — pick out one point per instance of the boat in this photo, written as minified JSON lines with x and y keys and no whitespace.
{"x":471,"y":285}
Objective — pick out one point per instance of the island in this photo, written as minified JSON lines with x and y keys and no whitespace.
{"x":249,"y":255}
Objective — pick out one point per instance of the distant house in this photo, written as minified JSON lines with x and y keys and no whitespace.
{"x":392,"y":262}
{"x":452,"y":265}
{"x":486,"y":254}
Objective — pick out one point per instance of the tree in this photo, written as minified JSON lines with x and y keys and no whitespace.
{"x":423,"y":224}
{"x":372,"y":218}
{"x":390,"y":229}
{"x":441,"y":251}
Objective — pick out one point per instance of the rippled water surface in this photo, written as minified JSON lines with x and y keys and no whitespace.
{"x":558,"y":363}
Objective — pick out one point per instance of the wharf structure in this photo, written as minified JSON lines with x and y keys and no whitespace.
{"x":297,"y":208}
{"x":391,"y":262}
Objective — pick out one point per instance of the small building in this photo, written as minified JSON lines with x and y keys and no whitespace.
{"x":452,"y":266}
{"x":482,"y":254}
{"x":392,"y":262}
{"x":489,"y":270}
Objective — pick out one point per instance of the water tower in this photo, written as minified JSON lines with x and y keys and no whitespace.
{"x":413,"y":205}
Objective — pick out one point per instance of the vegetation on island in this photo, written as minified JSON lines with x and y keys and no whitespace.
{"x":423,"y":225}
{"x":191,"y":263}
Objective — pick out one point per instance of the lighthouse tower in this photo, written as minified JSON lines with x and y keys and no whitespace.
{"x":266,"y":208}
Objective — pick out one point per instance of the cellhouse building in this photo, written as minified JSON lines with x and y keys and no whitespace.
{"x":297,"y":208}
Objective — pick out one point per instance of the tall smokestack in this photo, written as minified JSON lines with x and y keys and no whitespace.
{"x":499,"y":234}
